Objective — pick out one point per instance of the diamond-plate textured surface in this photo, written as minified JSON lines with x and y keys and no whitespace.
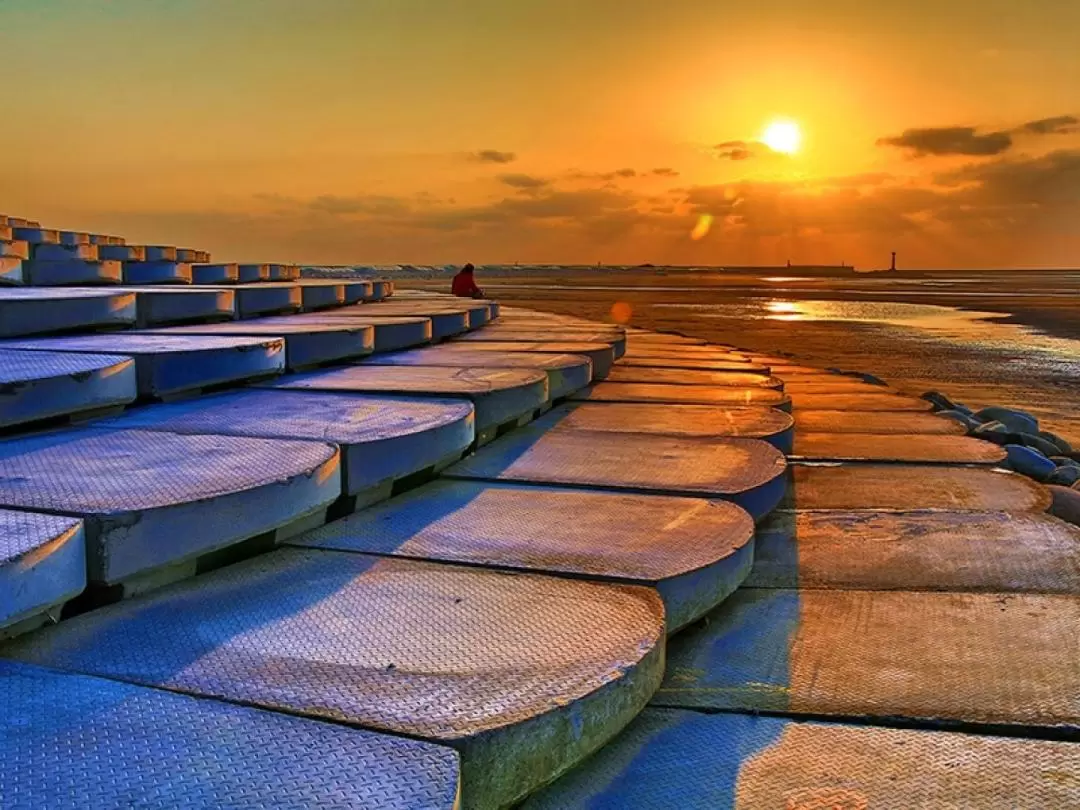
{"x":936,"y":449}
{"x":746,"y":471}
{"x":70,"y":741}
{"x":19,"y":366}
{"x":524,"y":674}
{"x":671,"y":758}
{"x":601,"y":354}
{"x":683,"y":394}
{"x":674,"y":376}
{"x":858,"y":402}
{"x":905,"y":487}
{"x":381,"y":437}
{"x":34,"y":310}
{"x":882,"y":422}
{"x":701,"y":421}
{"x":946,"y":551}
{"x":140,"y":343}
{"x":973,"y":657}
{"x":23,"y":532}
{"x":42,"y":563}
{"x":696,"y":550}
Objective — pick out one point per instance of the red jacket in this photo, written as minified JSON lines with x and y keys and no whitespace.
{"x":464,"y":286}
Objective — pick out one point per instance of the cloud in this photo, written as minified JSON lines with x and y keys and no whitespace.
{"x":949,"y":141}
{"x":361,"y":204}
{"x":576,"y":174}
{"x":1058,"y":125}
{"x":493,"y":156}
{"x":664,"y":172}
{"x":525,"y":182}
{"x":735,"y":150}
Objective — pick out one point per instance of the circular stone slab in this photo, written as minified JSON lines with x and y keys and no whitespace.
{"x":684,"y":395}
{"x":391,"y":334}
{"x":444,"y":323}
{"x":747,"y":472}
{"x":858,"y":402}
{"x":679,"y":376}
{"x":166,"y":365}
{"x":381,"y":438}
{"x":601,"y":355}
{"x":905,"y":486}
{"x":128,"y":746}
{"x":616,"y":341}
{"x":499,"y":395}
{"x":42,"y":564}
{"x":702,"y":421}
{"x":166,"y":304}
{"x":882,"y":422}
{"x":884,"y":447}
{"x":1001,"y":552}
{"x":694,"y":363}
{"x":688,"y":353}
{"x":525,"y":675}
{"x":795,"y":385}
{"x":152,"y":499}
{"x":40,"y":385}
{"x":33,"y":311}
{"x":693,"y":551}
{"x":695,"y":761}
{"x":566,"y":373}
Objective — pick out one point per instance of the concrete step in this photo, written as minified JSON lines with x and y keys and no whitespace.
{"x":44,"y":385}
{"x":601,"y":355}
{"x":617,"y":343}
{"x":391,"y":334}
{"x":905,"y":423}
{"x":56,"y":272}
{"x":42,"y":566}
{"x":923,"y":449}
{"x":866,"y":402}
{"x":754,"y":377}
{"x":215,"y":273}
{"x":157,"y":272}
{"x":31,"y":311}
{"x":685,"y":395}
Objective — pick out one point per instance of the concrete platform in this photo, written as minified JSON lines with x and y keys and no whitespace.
{"x":908,"y":486}
{"x":35,"y":234}
{"x":857,"y":402}
{"x":500,"y":396}
{"x":121,"y":253}
{"x":42,"y":565}
{"x":33,"y":311}
{"x":166,"y":304}
{"x":355,"y":291}
{"x":228,"y":273}
{"x":709,"y":353}
{"x":673,"y":758}
{"x":253,"y":300}
{"x":701,"y":421}
{"x":169,"y":365}
{"x":524,"y":675}
{"x":675,"y":376}
{"x":933,"y":449}
{"x":161,"y":253}
{"x":157,"y":272}
{"x":252,"y":273}
{"x":980,"y":659}
{"x":601,"y":355}
{"x":906,"y":423}
{"x":64,"y":252}
{"x":318,"y":296}
{"x":695,"y":552}
{"x":748,"y":472}
{"x":284,"y":272}
{"x":152,"y":501}
{"x":60,"y":272}
{"x":652,"y":338}
{"x":382,"y":439}
{"x":44,"y":385}
{"x":448,"y":319}
{"x":381,"y":290}
{"x":306,"y":344}
{"x":617,"y":343}
{"x":684,"y":395}
{"x":693,"y":364}
{"x":794,"y":384}
{"x":391,"y":334}
{"x":119,"y":745}
{"x":1003,"y":552}
{"x":566,"y":373}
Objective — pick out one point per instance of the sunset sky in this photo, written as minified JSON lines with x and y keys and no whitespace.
{"x":568,"y":131}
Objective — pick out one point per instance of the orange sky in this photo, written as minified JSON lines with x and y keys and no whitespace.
{"x":422,"y":131}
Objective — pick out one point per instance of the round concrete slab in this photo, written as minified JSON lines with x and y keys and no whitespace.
{"x":975,"y":658}
{"x":355,"y":290}
{"x":228,"y":273}
{"x":253,"y":300}
{"x":695,"y":761}
{"x":795,"y":385}
{"x":684,"y":395}
{"x":444,"y":323}
{"x":36,"y":311}
{"x":883,"y":422}
{"x":169,"y":304}
{"x":601,"y":355}
{"x":476,"y":313}
{"x":391,"y":334}
{"x":153,"y":499}
{"x":382,"y":439}
{"x":1003,"y":552}
{"x":688,"y":353}
{"x":157,"y":272}
{"x":695,"y":552}
{"x":747,"y":472}
{"x":566,"y":373}
{"x":617,"y":342}
{"x":253,"y":273}
{"x":317,"y":296}
{"x":525,"y":675}
{"x":499,"y":395}
{"x":166,"y":365}
{"x":858,"y":402}
{"x":701,"y":421}
{"x":678,"y":376}
{"x":306,"y":344}
{"x":42,"y":565}
{"x":41,"y":385}
{"x":884,"y":447}
{"x":144,"y":745}
{"x":692,"y":364}
{"x":45,"y":272}
{"x":905,"y":486}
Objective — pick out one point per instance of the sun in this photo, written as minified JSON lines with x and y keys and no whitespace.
{"x":782,"y":136}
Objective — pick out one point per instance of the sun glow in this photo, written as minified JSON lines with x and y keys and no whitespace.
{"x":782,"y":136}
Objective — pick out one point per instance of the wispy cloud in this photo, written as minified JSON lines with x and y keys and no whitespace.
{"x":493,"y":156}
{"x":949,"y":141}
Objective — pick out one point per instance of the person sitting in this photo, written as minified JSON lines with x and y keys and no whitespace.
{"x":464,"y":284}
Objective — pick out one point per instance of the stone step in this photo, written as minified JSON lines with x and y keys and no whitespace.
{"x":867,"y":402}
{"x":157,"y":271}
{"x":356,"y":292}
{"x":524,"y":675}
{"x":685,"y":395}
{"x":391,"y":334}
{"x":30,"y":311}
{"x":42,"y":566}
{"x":65,"y":252}
{"x":147,"y":747}
{"x":617,"y":343}
{"x":44,"y":385}
{"x":905,"y":423}
{"x":254,"y":300}
{"x":924,"y":449}
{"x":601,"y":355}
{"x":673,"y":366}
{"x":54,"y":272}
{"x":215,"y":273}
{"x":122,"y":253}
{"x":250,"y":273}
{"x":755,"y":377}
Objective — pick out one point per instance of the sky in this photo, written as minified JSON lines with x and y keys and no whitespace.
{"x":552,"y":131}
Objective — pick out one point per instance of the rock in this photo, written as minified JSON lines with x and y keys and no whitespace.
{"x":1065,"y":476}
{"x":1014,"y":419}
{"x":939,"y":401}
{"x":1037,"y":443}
{"x":1062,"y":445}
{"x":964,"y":419}
{"x":1030,"y":462}
{"x":1065,"y":461}
{"x":1066,"y":504}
